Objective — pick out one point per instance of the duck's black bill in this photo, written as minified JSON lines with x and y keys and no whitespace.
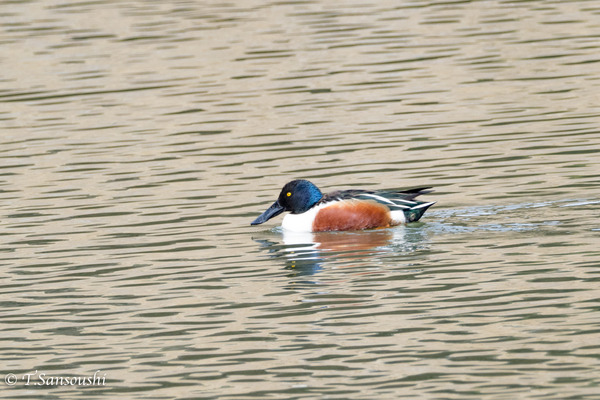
{"x":271,"y":212}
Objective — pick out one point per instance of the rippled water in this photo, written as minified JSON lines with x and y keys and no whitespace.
{"x":140,"y":138}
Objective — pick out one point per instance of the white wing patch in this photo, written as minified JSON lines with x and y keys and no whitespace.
{"x":378,"y":198}
{"x":423,"y":205}
{"x":399,"y":203}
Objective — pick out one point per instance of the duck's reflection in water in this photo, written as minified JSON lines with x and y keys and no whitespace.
{"x":307,"y":253}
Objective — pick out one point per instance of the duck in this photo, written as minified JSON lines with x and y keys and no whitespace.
{"x":344,"y":210}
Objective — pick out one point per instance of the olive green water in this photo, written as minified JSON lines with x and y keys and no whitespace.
{"x":138,"y":139}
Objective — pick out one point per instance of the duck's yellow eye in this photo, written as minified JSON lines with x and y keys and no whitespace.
{"x":288,"y":194}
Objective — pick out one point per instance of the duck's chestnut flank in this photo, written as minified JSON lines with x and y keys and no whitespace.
{"x":352,"y":215}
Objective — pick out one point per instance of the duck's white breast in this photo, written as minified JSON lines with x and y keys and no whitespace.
{"x":302,"y":222}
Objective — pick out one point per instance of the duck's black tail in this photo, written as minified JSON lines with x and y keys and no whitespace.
{"x":414,"y":213}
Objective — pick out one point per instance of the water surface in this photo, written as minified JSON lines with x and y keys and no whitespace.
{"x":139,"y":139}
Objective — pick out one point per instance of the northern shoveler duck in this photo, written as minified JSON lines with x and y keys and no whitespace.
{"x":343,"y":210}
